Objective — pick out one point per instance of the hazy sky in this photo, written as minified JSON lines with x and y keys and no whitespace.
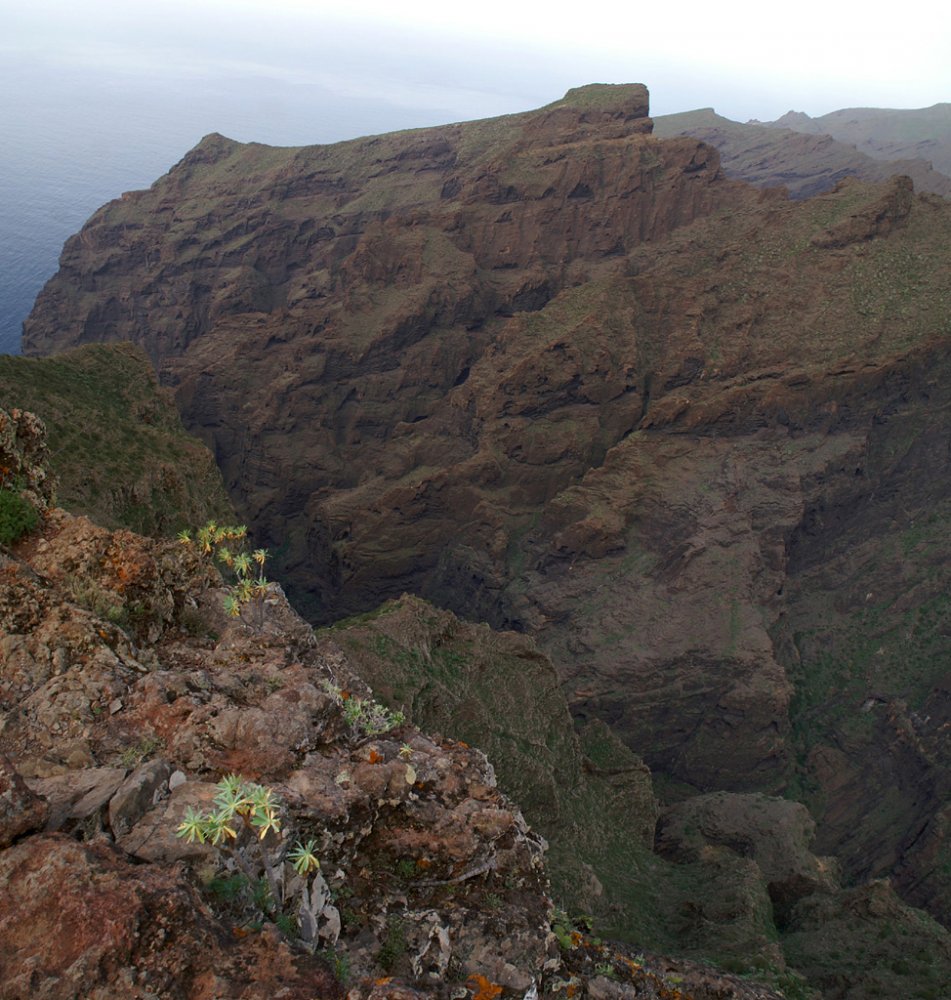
{"x":451,"y":60}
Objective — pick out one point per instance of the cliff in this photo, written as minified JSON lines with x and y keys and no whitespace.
{"x":551,"y":372}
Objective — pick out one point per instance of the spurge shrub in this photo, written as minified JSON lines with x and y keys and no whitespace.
{"x":17,"y":516}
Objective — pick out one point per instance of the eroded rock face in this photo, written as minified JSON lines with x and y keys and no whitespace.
{"x":21,"y":810}
{"x":81,"y":921}
{"x":465,"y":327}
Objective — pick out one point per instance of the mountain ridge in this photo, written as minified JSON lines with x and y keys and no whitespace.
{"x":801,"y":154}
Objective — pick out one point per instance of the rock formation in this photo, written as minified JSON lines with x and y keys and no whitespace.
{"x":553,"y":373}
{"x":802,"y":157}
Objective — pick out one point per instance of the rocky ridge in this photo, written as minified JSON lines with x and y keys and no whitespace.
{"x":884,"y":133}
{"x":804,"y":160}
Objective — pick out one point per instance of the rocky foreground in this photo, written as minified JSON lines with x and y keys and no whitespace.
{"x":127,"y":693}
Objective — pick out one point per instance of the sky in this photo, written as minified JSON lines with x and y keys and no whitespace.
{"x":448,"y":61}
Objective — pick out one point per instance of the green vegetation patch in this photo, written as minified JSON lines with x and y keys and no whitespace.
{"x":17,"y":516}
{"x":116,"y":442}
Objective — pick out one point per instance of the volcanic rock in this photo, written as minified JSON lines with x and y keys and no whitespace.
{"x":23,"y":811}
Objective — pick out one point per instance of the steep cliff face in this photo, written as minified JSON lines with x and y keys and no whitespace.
{"x":556,"y":374}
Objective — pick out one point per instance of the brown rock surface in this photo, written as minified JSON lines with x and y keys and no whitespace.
{"x":80,"y":921}
{"x":22,"y":811}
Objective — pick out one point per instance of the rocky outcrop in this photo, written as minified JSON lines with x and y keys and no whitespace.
{"x":23,"y":811}
{"x":25,"y":454}
{"x":806,"y":161}
{"x":87,"y":922}
{"x":110,"y":740}
{"x":774,"y":833}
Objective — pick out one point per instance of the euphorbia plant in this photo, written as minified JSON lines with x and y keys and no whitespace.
{"x":245,"y":827}
{"x":250,"y":585}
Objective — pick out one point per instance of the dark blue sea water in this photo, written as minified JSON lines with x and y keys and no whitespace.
{"x":77,"y":131}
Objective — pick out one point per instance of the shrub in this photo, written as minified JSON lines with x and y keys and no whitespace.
{"x":17,"y":516}
{"x":271,"y":882}
{"x":369,"y":717}
{"x":365,"y":716}
{"x":229,"y":546}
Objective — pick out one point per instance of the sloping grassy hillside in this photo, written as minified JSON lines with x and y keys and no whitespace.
{"x":117,"y":445}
